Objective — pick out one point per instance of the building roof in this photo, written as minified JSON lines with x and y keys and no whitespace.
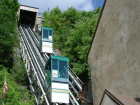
{"x":28,"y":6}
{"x":119,"y":99}
{"x":47,"y":28}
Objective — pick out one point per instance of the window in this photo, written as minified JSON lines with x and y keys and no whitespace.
{"x":54,"y":68}
{"x":59,"y":69}
{"x":63,"y":69}
{"x":50,"y":32}
{"x":45,"y":34}
{"x":54,"y":64}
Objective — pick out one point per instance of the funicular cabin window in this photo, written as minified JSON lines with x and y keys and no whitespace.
{"x":50,"y":32}
{"x":45,"y":34}
{"x":63,"y":69}
{"x":54,"y":68}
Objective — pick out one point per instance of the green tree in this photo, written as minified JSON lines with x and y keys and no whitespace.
{"x":15,"y":95}
{"x":73,"y":32}
{"x":79,"y":41}
{"x":7,"y":30}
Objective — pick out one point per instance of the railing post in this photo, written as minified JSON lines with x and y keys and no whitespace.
{"x":31,"y":71}
{"x":26,"y":61}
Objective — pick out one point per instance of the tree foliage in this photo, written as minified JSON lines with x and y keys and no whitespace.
{"x":73,"y":32}
{"x":15,"y":94}
{"x":18,"y":71}
{"x":14,"y":70}
{"x":8,"y":9}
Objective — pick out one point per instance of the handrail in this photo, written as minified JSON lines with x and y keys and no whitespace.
{"x":34,"y":57}
{"x":73,"y":98}
{"x":44,"y":94}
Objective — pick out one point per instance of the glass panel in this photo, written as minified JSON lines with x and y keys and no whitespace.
{"x":63,"y":69}
{"x":45,"y":34}
{"x":54,"y":64}
{"x":54,"y":68}
{"x":50,"y":32}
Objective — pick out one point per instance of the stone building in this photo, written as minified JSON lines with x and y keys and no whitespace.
{"x":114,"y":54}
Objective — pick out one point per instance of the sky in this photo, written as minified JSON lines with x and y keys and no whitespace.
{"x":87,"y":5}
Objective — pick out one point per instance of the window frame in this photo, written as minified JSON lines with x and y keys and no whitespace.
{"x":43,"y":34}
{"x":48,"y":34}
{"x":58,"y":68}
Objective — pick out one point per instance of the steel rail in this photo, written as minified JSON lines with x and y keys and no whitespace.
{"x":73,"y":98}
{"x":34,"y":56}
{"x":44,"y":94}
{"x":36,"y":41}
{"x":34,"y":46}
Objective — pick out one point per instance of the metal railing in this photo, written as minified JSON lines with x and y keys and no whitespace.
{"x":31,"y":43}
{"x":26,"y":53}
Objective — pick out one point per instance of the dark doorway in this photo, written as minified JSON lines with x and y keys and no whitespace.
{"x":27,"y":18}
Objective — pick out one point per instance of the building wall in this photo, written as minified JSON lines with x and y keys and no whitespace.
{"x":39,"y":23}
{"x":36,"y":20}
{"x":114,"y":57}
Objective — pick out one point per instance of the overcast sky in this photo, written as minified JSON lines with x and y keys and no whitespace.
{"x":87,"y":5}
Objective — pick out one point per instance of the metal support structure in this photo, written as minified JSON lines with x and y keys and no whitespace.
{"x":28,"y":61}
{"x":29,"y":45}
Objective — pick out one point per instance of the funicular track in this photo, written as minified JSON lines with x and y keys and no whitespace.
{"x":30,"y":42}
{"x":74,"y":79}
{"x":32,"y":67}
